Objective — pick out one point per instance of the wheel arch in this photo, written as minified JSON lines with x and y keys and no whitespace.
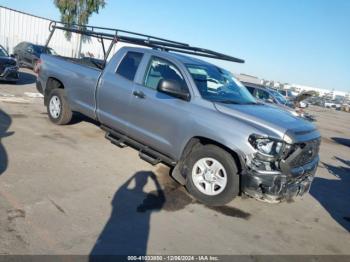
{"x":192,"y":143}
{"x":200,"y":140}
{"x":51,"y":83}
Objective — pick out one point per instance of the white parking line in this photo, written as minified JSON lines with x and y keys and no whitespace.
{"x":33,"y":95}
{"x":14,"y":100}
{"x":6,"y":95}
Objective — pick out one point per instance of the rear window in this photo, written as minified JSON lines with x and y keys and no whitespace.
{"x":129,"y":65}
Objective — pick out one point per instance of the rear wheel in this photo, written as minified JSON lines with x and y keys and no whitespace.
{"x":212,"y":175}
{"x":58,"y":108}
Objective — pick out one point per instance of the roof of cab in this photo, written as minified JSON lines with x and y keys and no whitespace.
{"x":182,"y":58}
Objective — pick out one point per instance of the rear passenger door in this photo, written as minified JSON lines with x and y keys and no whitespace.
{"x":115,"y":91}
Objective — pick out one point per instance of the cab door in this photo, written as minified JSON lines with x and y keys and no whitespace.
{"x":158,"y":119}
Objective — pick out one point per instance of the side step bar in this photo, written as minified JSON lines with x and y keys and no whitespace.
{"x":145,"y":153}
{"x":118,"y":142}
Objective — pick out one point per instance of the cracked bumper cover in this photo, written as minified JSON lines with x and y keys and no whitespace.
{"x":274,"y":186}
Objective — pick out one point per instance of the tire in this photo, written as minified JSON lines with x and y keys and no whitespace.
{"x":58,"y":108}
{"x":220,"y":194}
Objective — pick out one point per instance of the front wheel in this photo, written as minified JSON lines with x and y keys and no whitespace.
{"x":212,"y":175}
{"x":58,"y":108}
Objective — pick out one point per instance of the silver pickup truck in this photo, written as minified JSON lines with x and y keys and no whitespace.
{"x":191,"y":115}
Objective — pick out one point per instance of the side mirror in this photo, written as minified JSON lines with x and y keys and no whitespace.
{"x":173,"y":88}
{"x":270,"y":100}
{"x":12,"y":55}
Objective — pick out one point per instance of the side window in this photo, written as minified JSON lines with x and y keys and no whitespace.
{"x":128,"y":66}
{"x":161,"y":69}
{"x":250,"y":89}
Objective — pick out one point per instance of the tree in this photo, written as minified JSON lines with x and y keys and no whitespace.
{"x":77,"y":12}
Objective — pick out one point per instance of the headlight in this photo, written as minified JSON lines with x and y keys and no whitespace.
{"x":269,"y":148}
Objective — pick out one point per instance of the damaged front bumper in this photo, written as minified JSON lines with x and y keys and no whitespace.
{"x":276,"y":186}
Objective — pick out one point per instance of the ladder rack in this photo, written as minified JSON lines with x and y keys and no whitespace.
{"x":117,"y":35}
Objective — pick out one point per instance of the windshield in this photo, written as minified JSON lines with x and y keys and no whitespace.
{"x":218,"y":85}
{"x":280,"y":98}
{"x":3,"y":51}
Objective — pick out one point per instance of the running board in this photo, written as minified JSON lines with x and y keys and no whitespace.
{"x":145,"y":153}
{"x":148,"y":158}
{"x":118,"y":142}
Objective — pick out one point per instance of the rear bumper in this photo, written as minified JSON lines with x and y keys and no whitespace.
{"x":10,"y":74}
{"x":275,"y":186}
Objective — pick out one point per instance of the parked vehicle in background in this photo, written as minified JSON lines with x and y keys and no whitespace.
{"x":271,"y":96}
{"x":27,"y":54}
{"x":332,"y":104}
{"x":328,"y":104}
{"x":189,"y":114}
{"x":286,"y":93}
{"x":8,"y":66}
{"x":346,"y":107}
{"x":301,"y":100}
{"x":316,"y":101}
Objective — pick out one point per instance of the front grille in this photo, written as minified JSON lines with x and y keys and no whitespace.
{"x":304,"y":153}
{"x":2,"y":69}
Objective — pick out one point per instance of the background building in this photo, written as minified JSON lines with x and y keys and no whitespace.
{"x":16,"y":27}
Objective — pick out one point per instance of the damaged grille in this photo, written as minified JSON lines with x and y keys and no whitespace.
{"x":304,"y":153}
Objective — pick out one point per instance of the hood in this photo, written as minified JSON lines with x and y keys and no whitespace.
{"x":5,"y":60}
{"x":304,"y":95}
{"x":270,"y":119}
{"x":283,"y":107}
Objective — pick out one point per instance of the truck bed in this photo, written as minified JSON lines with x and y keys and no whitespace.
{"x":86,"y":61}
{"x":78,"y":76}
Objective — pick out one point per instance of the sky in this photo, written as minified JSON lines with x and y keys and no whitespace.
{"x":303,"y":42}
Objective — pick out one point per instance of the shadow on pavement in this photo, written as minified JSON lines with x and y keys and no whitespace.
{"x":5,"y":122}
{"x":342,"y":141}
{"x":78,"y":118}
{"x":126,"y":232}
{"x":334,"y":194}
{"x":24,"y":79}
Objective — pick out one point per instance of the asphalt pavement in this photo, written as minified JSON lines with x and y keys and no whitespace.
{"x":68,"y":190}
